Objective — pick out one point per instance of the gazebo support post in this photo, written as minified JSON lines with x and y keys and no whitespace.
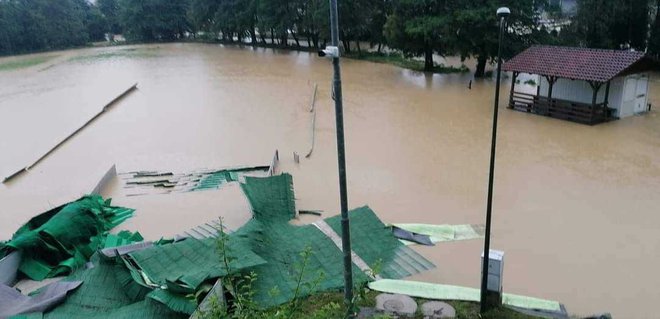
{"x":596,"y":87}
{"x":513,"y":86}
{"x":551,"y":83}
{"x":607,"y":100}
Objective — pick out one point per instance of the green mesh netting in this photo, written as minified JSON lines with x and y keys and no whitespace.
{"x":62,"y":239}
{"x":271,"y":198}
{"x":122,"y":238}
{"x":271,"y":236}
{"x":216,"y":179}
{"x":374,"y":243}
{"x":108,"y":292}
{"x":190,"y":262}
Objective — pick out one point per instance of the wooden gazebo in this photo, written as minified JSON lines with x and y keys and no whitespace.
{"x":588,"y":86}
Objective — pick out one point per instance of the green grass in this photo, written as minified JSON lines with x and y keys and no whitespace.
{"x":24,"y":62}
{"x":399,"y":60}
{"x":123,"y":53}
{"x":317,"y":306}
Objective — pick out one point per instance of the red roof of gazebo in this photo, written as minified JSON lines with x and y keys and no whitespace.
{"x":578,"y":63}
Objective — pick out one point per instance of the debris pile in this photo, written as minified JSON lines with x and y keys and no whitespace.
{"x":123,"y":276}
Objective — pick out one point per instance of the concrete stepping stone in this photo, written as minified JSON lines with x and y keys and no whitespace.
{"x":437,"y":310}
{"x":396,"y":304}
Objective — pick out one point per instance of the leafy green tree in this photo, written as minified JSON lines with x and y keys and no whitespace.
{"x":110,"y":10}
{"x":96,"y":24}
{"x":313,"y":21}
{"x":654,"y":41}
{"x":610,"y":24}
{"x":419,"y":28}
{"x":154,"y":20}
{"x":477,"y":28}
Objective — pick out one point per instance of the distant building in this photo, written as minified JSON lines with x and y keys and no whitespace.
{"x":583,"y":85}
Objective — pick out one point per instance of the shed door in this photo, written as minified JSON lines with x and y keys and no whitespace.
{"x":640,"y":94}
{"x":634,"y":95}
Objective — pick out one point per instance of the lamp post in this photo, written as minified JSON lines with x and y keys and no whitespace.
{"x":332,"y":52}
{"x":502,"y":14}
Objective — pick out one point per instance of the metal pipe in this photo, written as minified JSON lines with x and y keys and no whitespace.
{"x":489,"y":205}
{"x":341,"y":161}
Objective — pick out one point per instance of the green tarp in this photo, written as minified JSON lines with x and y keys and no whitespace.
{"x":190,"y":262}
{"x":61,"y":240}
{"x":270,"y":236}
{"x":374,"y":243}
{"x":109,"y":292}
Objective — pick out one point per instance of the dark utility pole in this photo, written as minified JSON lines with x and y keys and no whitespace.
{"x":333,"y":52}
{"x":502,"y":13}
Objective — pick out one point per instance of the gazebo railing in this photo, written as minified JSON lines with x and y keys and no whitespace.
{"x":563,"y":109}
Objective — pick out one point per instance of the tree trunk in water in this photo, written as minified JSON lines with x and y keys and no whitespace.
{"x":347,"y":45}
{"x":295,"y":38}
{"x":263,"y":40}
{"x":380,"y":46}
{"x":285,"y":38}
{"x":315,"y":40}
{"x":253,"y":34}
{"x":428,"y":58}
{"x":272,"y":36}
{"x":481,"y":67}
{"x":357,"y":43}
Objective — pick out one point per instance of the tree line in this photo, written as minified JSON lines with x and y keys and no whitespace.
{"x":417,"y":28}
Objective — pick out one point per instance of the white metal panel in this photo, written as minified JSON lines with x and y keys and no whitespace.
{"x":616,"y":94}
{"x":641,"y":94}
{"x":635,"y":95}
{"x":572,"y":90}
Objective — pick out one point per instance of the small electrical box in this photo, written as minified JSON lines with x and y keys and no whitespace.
{"x":495,"y":270}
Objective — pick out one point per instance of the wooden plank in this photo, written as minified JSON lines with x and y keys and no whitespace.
{"x":70,"y":136}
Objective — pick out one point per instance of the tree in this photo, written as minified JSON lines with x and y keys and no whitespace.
{"x":419,"y":28}
{"x":654,"y":41}
{"x":96,"y":24}
{"x":477,"y":28}
{"x":110,"y":11}
{"x":154,"y":20}
{"x":610,"y":24}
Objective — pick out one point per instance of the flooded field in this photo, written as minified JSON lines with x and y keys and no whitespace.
{"x":575,"y":207}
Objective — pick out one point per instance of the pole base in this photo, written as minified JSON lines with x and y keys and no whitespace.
{"x":493,"y":300}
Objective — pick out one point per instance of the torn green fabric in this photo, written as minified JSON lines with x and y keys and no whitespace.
{"x":270,"y":235}
{"x":177,"y":302}
{"x":62,"y":239}
{"x":443,"y":233}
{"x":375,"y":244}
{"x":106,"y":293}
{"x":190,"y":262}
{"x":447,"y":292}
{"x":122,"y":238}
{"x":271,"y":198}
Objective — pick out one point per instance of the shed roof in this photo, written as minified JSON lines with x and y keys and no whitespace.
{"x":578,"y":63}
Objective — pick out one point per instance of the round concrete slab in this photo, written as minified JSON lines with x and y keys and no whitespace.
{"x":438,"y":309}
{"x":396,"y":304}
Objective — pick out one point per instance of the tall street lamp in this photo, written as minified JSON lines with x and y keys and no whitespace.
{"x":333,"y":53}
{"x":502,"y":13}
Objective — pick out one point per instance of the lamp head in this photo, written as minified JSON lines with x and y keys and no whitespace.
{"x":503,"y":12}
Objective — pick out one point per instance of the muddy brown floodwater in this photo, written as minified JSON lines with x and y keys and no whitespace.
{"x":575,"y":207}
